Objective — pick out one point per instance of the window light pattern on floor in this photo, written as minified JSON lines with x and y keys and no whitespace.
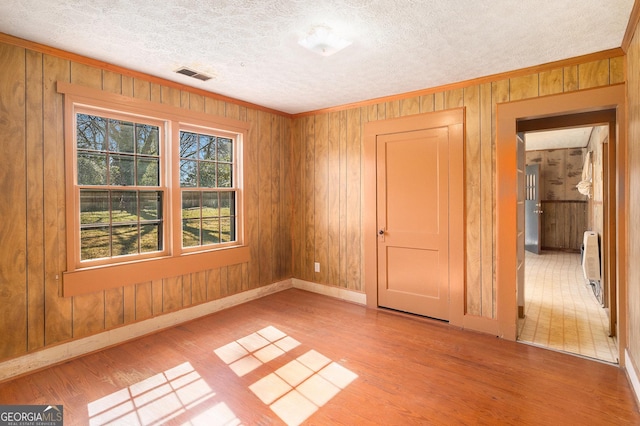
{"x":160,"y":398}
{"x":294,"y":391}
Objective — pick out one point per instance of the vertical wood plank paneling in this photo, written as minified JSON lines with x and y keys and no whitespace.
{"x":333,"y":199}
{"x":264,"y":199}
{"x":616,"y":70}
{"x":309,"y":199}
{"x":112,"y":82}
{"x":499,"y":94}
{"x":354,"y":155}
{"x":199,"y":287}
{"x":296,"y":188}
{"x":57,"y":310}
{"x":570,"y":80}
{"x":487,"y":206}
{"x":286,"y":201}
{"x":186,"y":290}
{"x":427,"y":103}
{"x":472,"y":200}
{"x":13,"y":209}
{"x":157,"y":296}
{"x":144,"y":301}
{"x":343,"y":277}
{"x":213,"y":284}
{"x":320,"y":197}
{"x":141,"y":89}
{"x":410,"y":106}
{"x":276,"y":214}
{"x":88,"y":309}
{"x":196,"y":102}
{"x":129,"y":304}
{"x":170,"y":96}
{"x":156,"y":95}
{"x":593,"y":74}
{"x":127,"y":86}
{"x":551,"y":82}
{"x":35,"y":199}
{"x":454,"y":98}
{"x":438,"y":101}
{"x":392,"y":109}
{"x":171,"y":294}
{"x":251,"y":195}
{"x":214,"y":106}
{"x":524,"y":87}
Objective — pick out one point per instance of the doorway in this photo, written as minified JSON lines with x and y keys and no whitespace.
{"x":512,"y":116}
{"x":563,"y":304}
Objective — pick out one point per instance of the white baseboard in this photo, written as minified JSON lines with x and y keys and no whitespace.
{"x":337,"y":292}
{"x":632,"y":374}
{"x":68,"y":350}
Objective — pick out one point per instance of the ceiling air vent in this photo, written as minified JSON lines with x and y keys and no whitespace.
{"x":191,"y":73}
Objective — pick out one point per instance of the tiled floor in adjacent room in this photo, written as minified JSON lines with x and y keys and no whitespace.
{"x":561,"y":311}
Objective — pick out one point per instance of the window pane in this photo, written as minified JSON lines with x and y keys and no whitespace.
{"x":150,"y":205}
{"x":227,"y":204}
{"x":148,"y":140}
{"x":190,"y":232}
{"x":124,"y":240}
{"x":207,"y":174}
{"x":227,"y":229}
{"x":124,"y":206}
{"x":207,"y":147}
{"x":188,"y":173}
{"x":94,"y":206}
{"x":224,"y":175}
{"x":121,"y":170}
{"x":150,"y":237}
{"x":210,"y":205}
{"x":190,"y":205}
{"x":92,"y":169}
{"x":148,"y":172}
{"x":94,"y":243}
{"x":188,"y":145}
{"x":225,"y":150}
{"x":121,"y":136}
{"x":91,"y":131}
{"x":210,"y":231}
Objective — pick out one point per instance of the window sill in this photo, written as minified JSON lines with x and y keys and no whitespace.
{"x":99,"y":278}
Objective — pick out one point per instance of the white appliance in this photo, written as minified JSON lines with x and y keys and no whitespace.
{"x":591,"y":262}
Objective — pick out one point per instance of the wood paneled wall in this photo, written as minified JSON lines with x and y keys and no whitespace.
{"x":563,"y":225}
{"x":633,"y":164}
{"x":32,"y":207}
{"x":327,"y":164}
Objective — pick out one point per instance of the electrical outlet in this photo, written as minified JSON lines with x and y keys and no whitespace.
{"x":316,"y":266}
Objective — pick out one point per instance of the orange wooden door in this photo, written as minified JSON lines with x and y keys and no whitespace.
{"x":413,"y":222}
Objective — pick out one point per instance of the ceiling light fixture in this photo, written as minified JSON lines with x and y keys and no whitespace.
{"x":323,"y":42}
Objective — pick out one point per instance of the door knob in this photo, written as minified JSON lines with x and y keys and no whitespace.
{"x":381,"y":232}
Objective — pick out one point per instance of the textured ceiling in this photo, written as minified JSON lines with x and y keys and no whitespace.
{"x":251,"y":47}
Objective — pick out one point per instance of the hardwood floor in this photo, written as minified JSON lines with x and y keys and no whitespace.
{"x":298,"y":357}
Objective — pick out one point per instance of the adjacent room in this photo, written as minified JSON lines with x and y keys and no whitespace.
{"x":334,"y":212}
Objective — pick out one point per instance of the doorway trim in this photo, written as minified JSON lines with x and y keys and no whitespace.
{"x":454,"y":120}
{"x":508,"y":114}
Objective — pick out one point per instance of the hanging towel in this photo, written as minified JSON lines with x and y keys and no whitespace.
{"x":584,"y":186}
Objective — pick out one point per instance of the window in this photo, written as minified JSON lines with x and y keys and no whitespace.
{"x":118,"y":182}
{"x":153,"y":191}
{"x":208,"y":194}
